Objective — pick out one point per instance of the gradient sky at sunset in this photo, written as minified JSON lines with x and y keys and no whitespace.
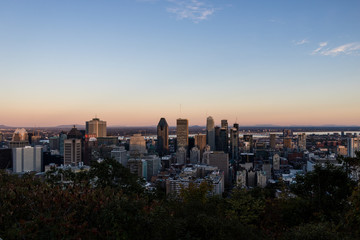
{"x":133,"y":61}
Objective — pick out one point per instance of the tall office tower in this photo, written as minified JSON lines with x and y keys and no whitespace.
{"x":72,"y":151}
{"x":194,"y":155}
{"x":181,"y":155}
{"x":287,"y":133}
{"x":27,"y":159}
{"x":350,"y":147}
{"x":221,"y":140}
{"x":218,"y":146}
{"x":225,"y":125}
{"x":182,"y":133}
{"x":153,"y":163}
{"x":288,"y":142}
{"x":96,"y":128}
{"x":54,"y":143}
{"x":74,"y":133}
{"x":62,"y":138}
{"x":120,"y":155}
{"x":200,"y":142}
{"x":224,"y":139}
{"x":276,"y":162}
{"x":162,"y":137}
{"x":249,"y":139}
{"x":220,"y":160}
{"x":234,"y":143}
{"x":138,"y":166}
{"x":272,"y":141}
{"x":302,"y":141}
{"x":1,"y":137}
{"x":20,"y":134}
{"x":137,"y":145}
{"x":236,"y":125}
{"x":19,"y":139}
{"x":210,"y":133}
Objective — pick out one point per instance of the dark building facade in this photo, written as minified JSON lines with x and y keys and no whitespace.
{"x":162,"y":137}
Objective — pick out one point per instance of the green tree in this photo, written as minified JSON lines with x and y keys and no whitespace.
{"x":327,"y":190}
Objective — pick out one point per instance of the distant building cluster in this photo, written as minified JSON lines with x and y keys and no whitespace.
{"x":221,"y":156}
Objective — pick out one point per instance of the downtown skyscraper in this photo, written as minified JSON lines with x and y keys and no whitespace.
{"x":210,"y":133}
{"x":96,"y":128}
{"x":162,"y":137}
{"x":182,"y":133}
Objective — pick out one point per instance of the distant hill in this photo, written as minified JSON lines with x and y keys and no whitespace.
{"x":5,"y":127}
{"x":78,"y":126}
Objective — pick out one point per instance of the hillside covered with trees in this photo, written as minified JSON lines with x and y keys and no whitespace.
{"x":108,"y":202}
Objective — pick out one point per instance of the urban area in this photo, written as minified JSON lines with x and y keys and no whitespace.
{"x":171,"y":160}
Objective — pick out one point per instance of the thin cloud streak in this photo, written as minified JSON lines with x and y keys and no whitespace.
{"x":321,"y":46}
{"x":346,"y":49}
{"x":301,"y":42}
{"x":194,"y":10}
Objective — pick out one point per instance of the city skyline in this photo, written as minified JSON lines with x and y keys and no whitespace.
{"x":135,"y":61}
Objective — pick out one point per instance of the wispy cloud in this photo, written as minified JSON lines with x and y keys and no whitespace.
{"x":321,"y":46}
{"x":194,"y":10}
{"x":301,"y":42}
{"x":346,"y":49}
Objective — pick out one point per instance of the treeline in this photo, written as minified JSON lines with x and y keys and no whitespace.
{"x":109,"y":202}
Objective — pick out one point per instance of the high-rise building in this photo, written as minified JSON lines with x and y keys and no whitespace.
{"x":288,"y":142}
{"x":194,"y":155}
{"x":20,"y":134}
{"x":287,"y":133}
{"x":224,"y":140}
{"x":54,"y":143}
{"x":351,"y":147}
{"x":120,"y":155}
{"x":74,"y":133}
{"x":96,"y":128}
{"x":153,"y":163}
{"x":182,"y":133}
{"x":200,"y":141}
{"x":210,"y":133}
{"x":27,"y":159}
{"x":225,"y":125}
{"x":137,"y":145}
{"x":19,"y":139}
{"x":139,"y":167}
{"x":181,"y":155}
{"x":234,"y":143}
{"x":221,"y":140}
{"x":62,"y":138}
{"x":276,"y":162}
{"x":218,"y":146}
{"x":272,"y":141}
{"x":72,"y":151}
{"x":162,"y":137}
{"x":249,"y":140}
{"x":302,"y":141}
{"x":220,"y":160}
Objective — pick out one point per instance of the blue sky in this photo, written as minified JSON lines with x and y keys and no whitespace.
{"x":134,"y":61}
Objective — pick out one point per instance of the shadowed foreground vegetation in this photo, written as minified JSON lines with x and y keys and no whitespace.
{"x":109,"y":202}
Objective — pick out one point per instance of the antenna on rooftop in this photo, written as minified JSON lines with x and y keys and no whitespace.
{"x":180,"y":110}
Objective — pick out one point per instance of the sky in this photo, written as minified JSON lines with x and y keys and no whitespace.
{"x":131,"y":62}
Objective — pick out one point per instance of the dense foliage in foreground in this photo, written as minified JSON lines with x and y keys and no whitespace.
{"x":108,"y":202}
